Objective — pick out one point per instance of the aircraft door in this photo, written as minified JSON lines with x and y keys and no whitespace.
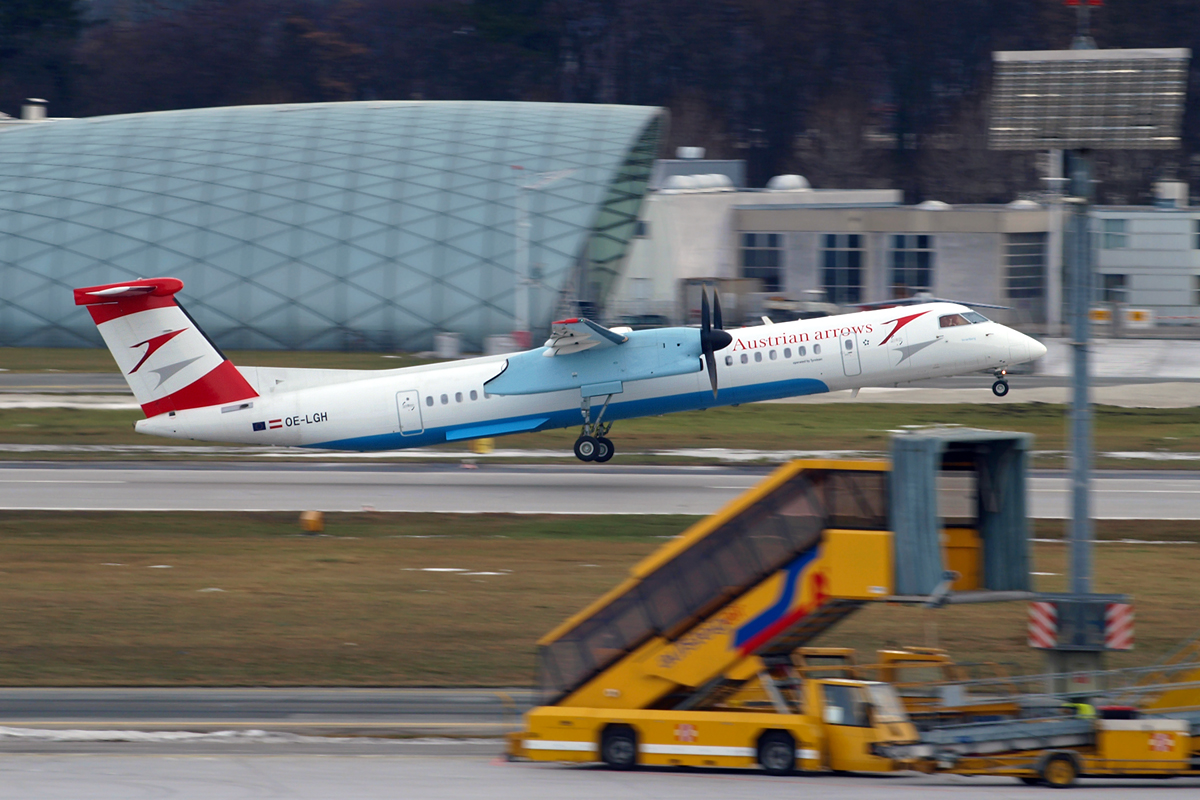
{"x":409,"y":406}
{"x":851,"y":363}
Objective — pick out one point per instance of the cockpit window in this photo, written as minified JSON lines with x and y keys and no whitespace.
{"x":952,"y":320}
{"x":975,"y":316}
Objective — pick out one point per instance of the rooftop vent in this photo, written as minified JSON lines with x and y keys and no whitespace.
{"x":34,"y":109}
{"x":933,"y":205}
{"x":788,"y":183}
{"x":689,"y":152}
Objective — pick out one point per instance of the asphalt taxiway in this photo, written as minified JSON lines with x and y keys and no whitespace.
{"x":496,"y":488}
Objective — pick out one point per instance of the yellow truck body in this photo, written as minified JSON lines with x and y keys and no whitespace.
{"x":836,"y":724}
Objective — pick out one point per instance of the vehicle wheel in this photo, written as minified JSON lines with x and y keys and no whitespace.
{"x":604,"y":450}
{"x":1059,"y":771}
{"x":777,"y":753}
{"x":618,"y":748}
{"x":1030,"y":781}
{"x":1000,"y":388}
{"x":585,"y":448}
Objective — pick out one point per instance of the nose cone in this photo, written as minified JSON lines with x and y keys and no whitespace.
{"x":1024,"y":348}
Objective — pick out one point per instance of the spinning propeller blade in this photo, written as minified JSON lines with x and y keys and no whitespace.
{"x":712,"y":338}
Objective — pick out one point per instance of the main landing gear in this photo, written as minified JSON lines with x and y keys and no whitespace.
{"x":1000,"y":387}
{"x":593,"y":443}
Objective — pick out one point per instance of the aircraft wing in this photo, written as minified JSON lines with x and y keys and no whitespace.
{"x":576,"y":335}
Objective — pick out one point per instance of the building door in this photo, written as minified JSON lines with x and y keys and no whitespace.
{"x":850,"y":360}
{"x":409,"y":406}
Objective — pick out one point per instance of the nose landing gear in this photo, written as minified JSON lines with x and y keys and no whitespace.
{"x":1000,"y":387}
{"x":593,"y":443}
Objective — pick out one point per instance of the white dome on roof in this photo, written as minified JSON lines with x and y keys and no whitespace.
{"x":1021,"y":204}
{"x":933,"y":205}
{"x":788,"y":183}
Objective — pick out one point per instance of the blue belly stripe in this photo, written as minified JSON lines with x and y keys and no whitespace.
{"x":570,"y":417}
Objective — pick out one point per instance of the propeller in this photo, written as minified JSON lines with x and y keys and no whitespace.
{"x":712,"y":338}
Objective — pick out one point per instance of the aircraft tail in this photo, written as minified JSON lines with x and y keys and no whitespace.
{"x":169,"y":363}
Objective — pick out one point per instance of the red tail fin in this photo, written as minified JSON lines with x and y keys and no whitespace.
{"x":169,"y":363}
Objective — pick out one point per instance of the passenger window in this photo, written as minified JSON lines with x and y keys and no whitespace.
{"x":758,"y":356}
{"x":458,"y":397}
{"x":474,"y":395}
{"x":429,"y":400}
{"x":744,"y":359}
{"x":445,"y":399}
{"x":729,"y":361}
{"x":801,"y":350}
{"x":816,"y":349}
{"x":787,"y":352}
{"x":952,"y":321}
{"x":773,"y":356}
{"x":849,"y":344}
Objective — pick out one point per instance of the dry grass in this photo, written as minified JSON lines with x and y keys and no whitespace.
{"x":353,"y":607}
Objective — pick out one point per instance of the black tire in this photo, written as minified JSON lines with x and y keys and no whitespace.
{"x":777,"y":753}
{"x":585,"y":448}
{"x":1030,"y":781}
{"x":1059,"y":771}
{"x":1000,"y":388}
{"x":618,"y":748}
{"x":605,"y":451}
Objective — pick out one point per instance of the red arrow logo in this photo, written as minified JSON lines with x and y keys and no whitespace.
{"x":900,"y":323}
{"x":155,"y":342}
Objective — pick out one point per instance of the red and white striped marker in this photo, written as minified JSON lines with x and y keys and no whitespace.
{"x":1043,"y":624}
{"x":1118,"y":626}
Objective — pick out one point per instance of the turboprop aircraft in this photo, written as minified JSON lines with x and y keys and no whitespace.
{"x":585,"y":374}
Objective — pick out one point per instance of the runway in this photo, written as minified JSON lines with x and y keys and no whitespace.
{"x":514,"y":489}
{"x":332,"y":711}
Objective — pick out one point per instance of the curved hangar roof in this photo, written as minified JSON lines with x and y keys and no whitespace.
{"x":323,"y":226}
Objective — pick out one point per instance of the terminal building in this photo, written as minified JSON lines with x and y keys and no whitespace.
{"x":378,"y":225}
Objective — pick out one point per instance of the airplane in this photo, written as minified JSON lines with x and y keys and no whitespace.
{"x":585,"y":374}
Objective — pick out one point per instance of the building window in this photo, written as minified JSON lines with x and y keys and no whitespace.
{"x":912,"y":264}
{"x":1196,"y":243}
{"x":641,"y":229}
{"x":762,"y":256}
{"x":841,"y":267}
{"x":1025,"y":265}
{"x":1196,"y":285}
{"x":1113,"y":288}
{"x":1114,"y":237}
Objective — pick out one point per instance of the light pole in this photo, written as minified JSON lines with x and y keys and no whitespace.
{"x":521,"y":229}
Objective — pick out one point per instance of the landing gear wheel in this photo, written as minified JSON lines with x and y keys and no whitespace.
{"x":1059,"y":771}
{"x":777,"y":753}
{"x":618,"y":748}
{"x":1000,"y":388}
{"x":586,"y":448}
{"x":604,"y":449}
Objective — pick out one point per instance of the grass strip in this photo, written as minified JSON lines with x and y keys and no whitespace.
{"x":178,"y":599}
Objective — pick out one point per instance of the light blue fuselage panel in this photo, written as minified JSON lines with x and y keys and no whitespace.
{"x":655,"y":353}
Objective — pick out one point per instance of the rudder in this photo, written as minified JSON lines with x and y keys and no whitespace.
{"x":168,"y":362}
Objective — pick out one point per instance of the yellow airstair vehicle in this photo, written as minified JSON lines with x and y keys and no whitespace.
{"x":690,"y":660}
{"x":703,"y":656}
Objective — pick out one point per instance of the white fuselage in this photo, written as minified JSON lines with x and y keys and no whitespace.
{"x":425,"y":405}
